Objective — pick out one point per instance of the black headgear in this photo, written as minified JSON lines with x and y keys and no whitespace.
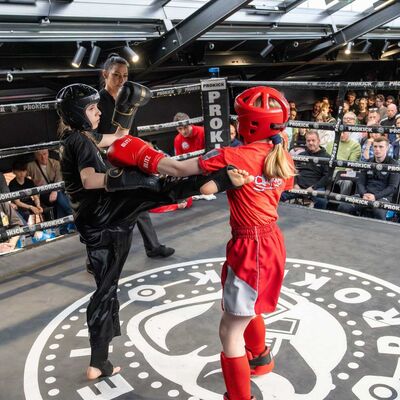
{"x":74,"y":100}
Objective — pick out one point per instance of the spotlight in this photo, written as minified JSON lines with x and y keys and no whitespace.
{"x":385,"y":46}
{"x":130,"y":54}
{"x":367,"y":47}
{"x":9,"y":77}
{"x":267,"y":49}
{"x":348,"y":48}
{"x":78,"y":57}
{"x":94,"y":55}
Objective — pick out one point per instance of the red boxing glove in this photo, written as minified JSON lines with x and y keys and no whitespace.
{"x":130,"y":151}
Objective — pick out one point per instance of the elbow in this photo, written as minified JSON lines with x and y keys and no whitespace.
{"x":86,"y":184}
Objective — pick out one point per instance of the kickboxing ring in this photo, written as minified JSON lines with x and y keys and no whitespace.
{"x":337,"y":127}
{"x":336,"y":321}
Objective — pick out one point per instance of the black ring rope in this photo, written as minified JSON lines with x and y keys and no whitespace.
{"x":6,"y":234}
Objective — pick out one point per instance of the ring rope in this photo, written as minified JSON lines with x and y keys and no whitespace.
{"x":4,"y":197}
{"x":389,"y":85}
{"x":348,"y":199}
{"x":6,"y":234}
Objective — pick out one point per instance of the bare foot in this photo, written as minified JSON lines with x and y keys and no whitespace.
{"x":240,"y":177}
{"x":94,"y":373}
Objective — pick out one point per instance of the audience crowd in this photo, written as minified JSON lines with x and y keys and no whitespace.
{"x":373,"y":185}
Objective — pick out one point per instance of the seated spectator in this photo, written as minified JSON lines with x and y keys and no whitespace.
{"x":8,"y":220}
{"x":390,"y":120}
{"x":325,"y":136}
{"x":291,"y":131}
{"x":235,"y":142}
{"x":3,"y":184}
{"x":346,"y":107}
{"x":349,"y":150}
{"x":373,"y":117}
{"x":189,"y":138}
{"x":310,"y":115}
{"x":311,"y":176}
{"x":390,"y":100}
{"x":351,"y":98}
{"x":375,"y":185}
{"x":396,"y":143}
{"x":292,"y":105}
{"x":367,"y":149}
{"x":351,"y":119}
{"x":43,"y":171}
{"x":380,"y":105}
{"x":371,"y":101}
{"x":29,"y":205}
{"x":298,"y":142}
{"x":362,"y":111}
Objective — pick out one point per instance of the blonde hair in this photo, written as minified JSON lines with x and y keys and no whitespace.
{"x":276,"y":164}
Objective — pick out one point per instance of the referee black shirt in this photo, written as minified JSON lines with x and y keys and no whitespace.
{"x":106,"y":106}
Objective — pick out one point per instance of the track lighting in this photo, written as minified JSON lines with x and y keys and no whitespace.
{"x":94,"y":55}
{"x":267,"y":49}
{"x":348,"y":48}
{"x":130,"y":54}
{"x":385,"y":46}
{"x":367,"y":47}
{"x":78,"y":57}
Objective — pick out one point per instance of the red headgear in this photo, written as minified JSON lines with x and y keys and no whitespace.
{"x":257,"y":108}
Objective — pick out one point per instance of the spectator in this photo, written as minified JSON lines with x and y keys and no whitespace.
{"x":325,"y":136}
{"x":298,"y":142}
{"x":390,"y":120}
{"x":310,"y":115}
{"x":351,"y":98}
{"x":8,"y":219}
{"x":311,"y":176}
{"x":390,"y":100}
{"x":29,"y":205}
{"x":189,"y":138}
{"x":346,"y":107}
{"x":374,"y":184}
{"x":291,"y":131}
{"x":292,"y":105}
{"x":349,"y":150}
{"x":351,"y":119}
{"x":235,"y":142}
{"x":373,"y":117}
{"x":367,"y":149}
{"x":371,"y":101}
{"x":396,"y":143}
{"x":362,"y":111}
{"x":380,"y":105}
{"x":45,"y":170}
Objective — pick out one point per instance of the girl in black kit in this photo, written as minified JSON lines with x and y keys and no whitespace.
{"x":107,"y":200}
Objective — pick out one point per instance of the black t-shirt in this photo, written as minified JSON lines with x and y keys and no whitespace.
{"x":14,"y":186}
{"x":78,"y":152}
{"x":106,"y":106}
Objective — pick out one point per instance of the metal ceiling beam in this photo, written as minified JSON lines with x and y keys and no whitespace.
{"x":338,"y":6}
{"x":188,"y":30}
{"x":293,"y":5}
{"x":349,"y":33}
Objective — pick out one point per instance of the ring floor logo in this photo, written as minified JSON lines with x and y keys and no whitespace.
{"x":334,"y":336}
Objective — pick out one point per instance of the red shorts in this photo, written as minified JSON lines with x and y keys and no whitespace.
{"x":253,"y":272}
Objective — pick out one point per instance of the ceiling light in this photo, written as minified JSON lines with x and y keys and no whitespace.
{"x":130,"y":54}
{"x":348,"y":48}
{"x":367,"y":47}
{"x":78,"y":57}
{"x":385,"y":46}
{"x":94,"y":55}
{"x":267,"y":49}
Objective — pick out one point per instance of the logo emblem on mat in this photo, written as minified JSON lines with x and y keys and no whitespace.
{"x":334,"y":335}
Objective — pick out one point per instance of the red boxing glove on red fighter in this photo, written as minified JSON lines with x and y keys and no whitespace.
{"x":130,"y":151}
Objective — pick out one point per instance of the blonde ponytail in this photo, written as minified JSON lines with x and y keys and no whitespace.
{"x":276,"y":164}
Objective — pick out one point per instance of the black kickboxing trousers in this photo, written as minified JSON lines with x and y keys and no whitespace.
{"x":106,"y":230}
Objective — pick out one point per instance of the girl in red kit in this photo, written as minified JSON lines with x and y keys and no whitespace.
{"x":253,"y":272}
